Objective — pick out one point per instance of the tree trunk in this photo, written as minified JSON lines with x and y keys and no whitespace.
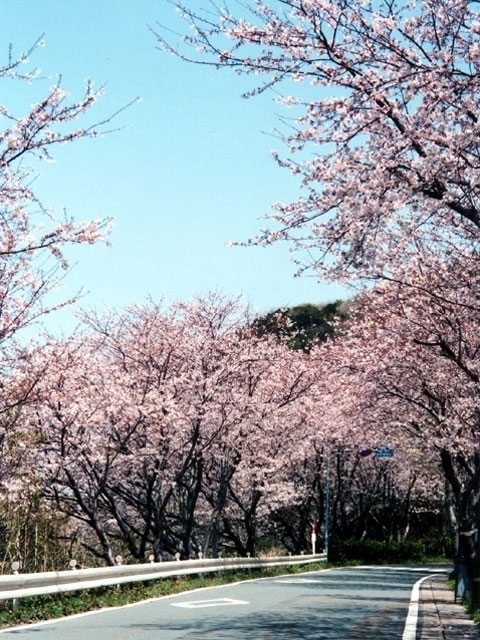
{"x":463,"y":476}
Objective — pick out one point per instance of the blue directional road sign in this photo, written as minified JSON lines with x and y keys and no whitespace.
{"x":383,"y":452}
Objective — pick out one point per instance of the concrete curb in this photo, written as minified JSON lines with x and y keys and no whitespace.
{"x":440,"y":617}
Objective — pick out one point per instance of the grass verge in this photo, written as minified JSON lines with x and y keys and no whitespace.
{"x":471,"y":610}
{"x":467,"y":602}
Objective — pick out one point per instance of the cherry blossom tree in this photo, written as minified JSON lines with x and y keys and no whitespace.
{"x":268,"y":444}
{"x":147,"y":425}
{"x":382,"y":499}
{"x":33,"y":242}
{"x":116,"y":464}
{"x":383,"y":119}
{"x":181,"y":430}
{"x":408,"y":371}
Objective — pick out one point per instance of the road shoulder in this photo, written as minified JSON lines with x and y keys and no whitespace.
{"x":440,"y":617}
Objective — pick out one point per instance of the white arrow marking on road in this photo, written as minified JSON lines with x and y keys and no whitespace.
{"x":197,"y":604}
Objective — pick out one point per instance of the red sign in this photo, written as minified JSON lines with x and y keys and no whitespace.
{"x":365,"y":452}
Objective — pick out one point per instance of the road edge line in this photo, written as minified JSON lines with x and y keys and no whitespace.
{"x":410,"y":630}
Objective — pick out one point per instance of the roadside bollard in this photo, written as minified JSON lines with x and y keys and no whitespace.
{"x":200,"y":557}
{"x":151,"y":558}
{"x":15,"y":567}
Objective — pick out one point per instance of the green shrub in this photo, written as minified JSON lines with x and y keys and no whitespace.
{"x":377,"y":552}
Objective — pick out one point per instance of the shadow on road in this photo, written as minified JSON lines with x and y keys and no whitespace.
{"x":384,"y":624}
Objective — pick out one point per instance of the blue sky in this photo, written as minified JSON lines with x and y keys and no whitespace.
{"x":190,"y":170}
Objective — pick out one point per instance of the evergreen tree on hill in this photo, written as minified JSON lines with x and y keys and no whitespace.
{"x":304,"y":325}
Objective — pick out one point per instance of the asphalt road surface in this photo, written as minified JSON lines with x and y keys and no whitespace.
{"x":340,"y":604}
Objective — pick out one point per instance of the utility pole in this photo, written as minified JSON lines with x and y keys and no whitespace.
{"x":327,"y":508}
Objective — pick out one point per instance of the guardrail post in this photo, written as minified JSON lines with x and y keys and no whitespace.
{"x":200,"y":557}
{"x":249,"y":569}
{"x":219,"y":572}
{"x":118,"y":561}
{"x":15,"y":567}
{"x":177,"y":558}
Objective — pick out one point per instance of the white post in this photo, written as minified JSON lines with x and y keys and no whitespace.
{"x":118,"y":560}
{"x":313,"y":532}
{"x":15,"y":567}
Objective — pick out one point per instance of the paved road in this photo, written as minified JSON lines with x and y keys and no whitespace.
{"x":340,"y":604}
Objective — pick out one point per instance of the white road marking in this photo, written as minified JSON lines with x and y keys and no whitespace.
{"x":297,"y":581}
{"x":199,"y":604}
{"x":381,"y":567}
{"x":410,"y":631}
{"x":423,"y":569}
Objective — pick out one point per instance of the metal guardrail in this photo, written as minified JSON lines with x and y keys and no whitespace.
{"x":33,"y":584}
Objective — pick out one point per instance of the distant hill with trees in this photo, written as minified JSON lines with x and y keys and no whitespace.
{"x":304,"y":325}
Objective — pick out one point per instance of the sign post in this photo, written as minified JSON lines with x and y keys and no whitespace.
{"x":314,"y":537}
{"x":327,"y":509}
